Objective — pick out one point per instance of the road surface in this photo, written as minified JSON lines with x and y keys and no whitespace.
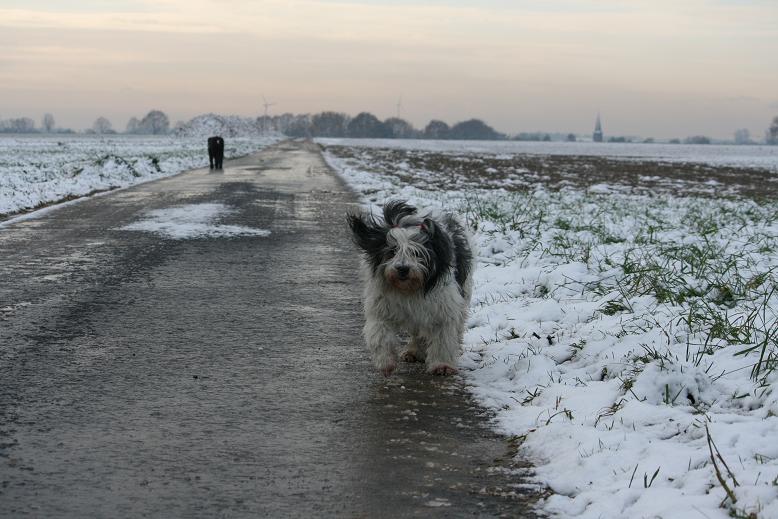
{"x":142,"y":376}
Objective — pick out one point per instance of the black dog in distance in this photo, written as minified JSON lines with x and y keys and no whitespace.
{"x":216,"y":152}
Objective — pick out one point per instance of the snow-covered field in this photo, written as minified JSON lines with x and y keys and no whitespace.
{"x":37,"y":170}
{"x":629,"y":340}
{"x":765,"y":157}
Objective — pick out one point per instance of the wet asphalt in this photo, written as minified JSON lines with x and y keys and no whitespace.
{"x":148,"y":377}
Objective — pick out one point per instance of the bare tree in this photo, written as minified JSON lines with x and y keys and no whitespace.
{"x":299,"y":126}
{"x":475,"y":129}
{"x":48,"y":123}
{"x":436,"y":130}
{"x":155,"y":122}
{"x":22,"y":125}
{"x":399,"y":128}
{"x":329,"y":124}
{"x":132,"y":125}
{"x":102,"y":125}
{"x":366,"y":126}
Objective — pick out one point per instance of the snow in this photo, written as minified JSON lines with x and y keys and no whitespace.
{"x":37,"y":170}
{"x":192,"y":221}
{"x":612,"y":330}
{"x":763,"y":157}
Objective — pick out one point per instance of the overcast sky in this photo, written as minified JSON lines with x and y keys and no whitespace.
{"x":661,"y":68}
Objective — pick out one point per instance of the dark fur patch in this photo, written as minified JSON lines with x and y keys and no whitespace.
{"x":369,"y":235}
{"x":396,"y":210}
{"x":463,"y":256}
{"x":439,"y":248}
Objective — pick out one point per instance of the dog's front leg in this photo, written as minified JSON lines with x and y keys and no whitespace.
{"x":416,"y":350}
{"x":382,"y":342}
{"x":443,"y":351}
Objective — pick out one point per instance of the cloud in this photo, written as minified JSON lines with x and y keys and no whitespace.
{"x":105,"y":21}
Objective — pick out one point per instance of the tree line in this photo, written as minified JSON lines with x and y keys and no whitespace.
{"x":153,"y":123}
{"x":367,"y":126}
{"x":337,"y":125}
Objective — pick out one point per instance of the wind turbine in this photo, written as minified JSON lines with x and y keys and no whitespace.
{"x":266,"y":105}
{"x":399,"y":106}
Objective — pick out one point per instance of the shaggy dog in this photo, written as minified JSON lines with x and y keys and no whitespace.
{"x":418,"y":280}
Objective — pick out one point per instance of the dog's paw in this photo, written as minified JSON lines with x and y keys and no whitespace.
{"x":388,"y":369}
{"x":410,"y":356}
{"x":442,"y":369}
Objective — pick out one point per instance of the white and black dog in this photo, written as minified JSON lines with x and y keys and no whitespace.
{"x":418,"y":274}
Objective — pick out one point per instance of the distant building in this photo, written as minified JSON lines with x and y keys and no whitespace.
{"x":597,"y":135}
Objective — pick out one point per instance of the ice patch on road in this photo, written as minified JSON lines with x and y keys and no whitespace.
{"x":192,"y":221}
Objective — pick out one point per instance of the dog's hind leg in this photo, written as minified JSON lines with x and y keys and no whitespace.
{"x":382,"y":342}
{"x":416,"y":350}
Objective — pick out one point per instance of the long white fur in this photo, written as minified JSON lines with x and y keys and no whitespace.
{"x":409,"y":241}
{"x":435,"y":320}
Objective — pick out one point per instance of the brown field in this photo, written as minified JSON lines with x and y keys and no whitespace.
{"x":524,"y":171}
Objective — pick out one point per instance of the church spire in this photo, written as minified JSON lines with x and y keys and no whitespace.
{"x":597,"y":135}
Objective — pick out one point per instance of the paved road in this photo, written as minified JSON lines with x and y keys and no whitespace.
{"x":144,"y":376}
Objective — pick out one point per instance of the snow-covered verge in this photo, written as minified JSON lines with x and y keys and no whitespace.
{"x":38,"y":170}
{"x":630,"y":340}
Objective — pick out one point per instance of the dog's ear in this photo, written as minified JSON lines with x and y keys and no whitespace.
{"x":367,"y":233}
{"x":441,"y":252}
{"x":396,"y":210}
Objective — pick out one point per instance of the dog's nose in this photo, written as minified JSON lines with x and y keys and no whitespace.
{"x":402,"y":271}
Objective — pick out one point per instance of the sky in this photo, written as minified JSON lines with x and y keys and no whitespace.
{"x":659,"y":68}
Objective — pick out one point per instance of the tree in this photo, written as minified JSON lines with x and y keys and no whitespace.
{"x":772,"y":132}
{"x":132,"y":125}
{"x":436,"y":129}
{"x":102,"y":125}
{"x":155,"y":123}
{"x":697,"y":139}
{"x":570,"y":137}
{"x":530,"y":136}
{"x":21,"y":125}
{"x":367,"y":126}
{"x":299,"y":126}
{"x":284,"y":121}
{"x":329,"y":124}
{"x":264,"y":123}
{"x":743,"y":136}
{"x":47,"y":123}
{"x":399,"y":128}
{"x":474,"y":129}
